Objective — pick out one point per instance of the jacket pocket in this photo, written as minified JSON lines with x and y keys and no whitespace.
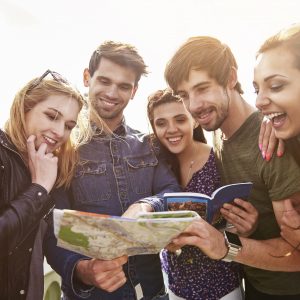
{"x":91,"y":183}
{"x":141,"y":172}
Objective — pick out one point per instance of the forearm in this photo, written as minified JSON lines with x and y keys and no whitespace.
{"x":260,"y":254}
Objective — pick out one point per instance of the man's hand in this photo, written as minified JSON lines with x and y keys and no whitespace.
{"x":42,"y":165}
{"x":267,"y":141}
{"x":107,"y":275}
{"x":135,"y":209}
{"x":290,"y":228}
{"x":204,"y":236}
{"x":242,"y":215}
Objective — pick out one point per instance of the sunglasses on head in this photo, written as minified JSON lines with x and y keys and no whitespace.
{"x":56,"y":76}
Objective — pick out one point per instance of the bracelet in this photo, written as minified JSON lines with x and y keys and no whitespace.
{"x":226,"y":244}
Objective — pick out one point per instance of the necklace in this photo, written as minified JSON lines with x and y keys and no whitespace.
{"x":189,"y":172}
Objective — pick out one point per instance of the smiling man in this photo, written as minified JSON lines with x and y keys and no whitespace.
{"x":203,"y":71}
{"x":119,"y":174}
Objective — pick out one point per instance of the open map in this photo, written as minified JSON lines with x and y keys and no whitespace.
{"x":107,"y":237}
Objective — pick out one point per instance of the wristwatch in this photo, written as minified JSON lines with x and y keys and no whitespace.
{"x":234,"y":245}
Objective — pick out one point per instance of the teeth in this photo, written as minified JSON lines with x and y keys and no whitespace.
{"x":273,"y":115}
{"x":51,"y":141}
{"x":174,"y":139}
{"x":205,"y":113}
{"x":108,"y":103}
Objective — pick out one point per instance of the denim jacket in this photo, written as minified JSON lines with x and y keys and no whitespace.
{"x":115,"y":171}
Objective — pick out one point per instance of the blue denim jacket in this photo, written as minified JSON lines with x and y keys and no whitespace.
{"x":115,"y":172}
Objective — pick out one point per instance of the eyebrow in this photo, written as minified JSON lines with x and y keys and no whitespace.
{"x":120,"y":83}
{"x":197,"y":85}
{"x":272,"y":76}
{"x":176,"y":116}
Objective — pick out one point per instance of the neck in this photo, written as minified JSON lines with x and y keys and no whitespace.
{"x":190,"y":153}
{"x":238,"y":112}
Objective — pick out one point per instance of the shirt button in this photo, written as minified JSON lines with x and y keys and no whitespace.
{"x":30,"y":249}
{"x":39,"y":194}
{"x":2,"y":167}
{"x":22,"y":292}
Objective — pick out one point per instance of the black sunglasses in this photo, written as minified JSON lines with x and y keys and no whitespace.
{"x":56,"y":76}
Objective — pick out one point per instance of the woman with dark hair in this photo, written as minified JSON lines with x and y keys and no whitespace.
{"x":191,"y":274}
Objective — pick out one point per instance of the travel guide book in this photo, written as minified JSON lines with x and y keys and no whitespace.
{"x":107,"y":237}
{"x":207,"y":207}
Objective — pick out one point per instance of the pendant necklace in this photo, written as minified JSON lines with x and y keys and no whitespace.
{"x":189,"y":172}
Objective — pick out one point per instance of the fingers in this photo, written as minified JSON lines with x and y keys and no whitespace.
{"x":264,"y":136}
{"x":242,"y":215}
{"x":280,"y":148}
{"x":31,"y":146}
{"x":272,"y":143}
{"x":107,"y":275}
{"x":261,"y":133}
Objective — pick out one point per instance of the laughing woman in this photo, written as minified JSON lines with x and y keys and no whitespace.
{"x":277,"y":84}
{"x":36,"y":154}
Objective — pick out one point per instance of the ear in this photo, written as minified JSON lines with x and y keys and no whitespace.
{"x":86,"y":77}
{"x":134,"y":91}
{"x":232,"y":80}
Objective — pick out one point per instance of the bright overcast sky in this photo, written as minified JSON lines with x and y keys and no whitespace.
{"x":61,"y":35}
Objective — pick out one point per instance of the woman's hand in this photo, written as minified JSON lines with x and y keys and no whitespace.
{"x":43,"y":166}
{"x":267,"y":141}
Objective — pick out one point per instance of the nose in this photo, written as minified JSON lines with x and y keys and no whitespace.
{"x":194,"y":104}
{"x":59,"y":129}
{"x":112,"y":91}
{"x":262,"y":100}
{"x":171,"y":127}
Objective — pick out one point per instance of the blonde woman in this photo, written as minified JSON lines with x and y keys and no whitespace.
{"x":36,"y":154}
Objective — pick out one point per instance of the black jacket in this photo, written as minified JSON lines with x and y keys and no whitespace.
{"x":22,"y":206}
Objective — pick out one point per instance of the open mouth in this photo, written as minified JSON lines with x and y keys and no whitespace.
{"x":108,"y":103}
{"x":277,"y":118}
{"x":49,"y":140}
{"x":174,"y":140}
{"x":205,"y":116}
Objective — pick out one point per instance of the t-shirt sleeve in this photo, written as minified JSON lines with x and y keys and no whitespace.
{"x":281,"y":176}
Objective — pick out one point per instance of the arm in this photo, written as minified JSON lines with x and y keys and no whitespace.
{"x":164,"y":181}
{"x":23,"y":213}
{"x":290,"y":227}
{"x":212,"y":243}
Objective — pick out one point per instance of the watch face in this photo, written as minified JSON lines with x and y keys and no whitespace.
{"x":233,"y":238}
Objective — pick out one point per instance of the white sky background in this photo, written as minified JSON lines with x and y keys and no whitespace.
{"x":61,"y":35}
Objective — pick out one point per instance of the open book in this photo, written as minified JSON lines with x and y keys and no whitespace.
{"x":207,"y":206}
{"x":107,"y":237}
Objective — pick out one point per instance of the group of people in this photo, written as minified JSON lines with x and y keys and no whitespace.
{"x":107,"y":167}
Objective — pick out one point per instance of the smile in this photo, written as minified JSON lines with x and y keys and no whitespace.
{"x":50,"y":140}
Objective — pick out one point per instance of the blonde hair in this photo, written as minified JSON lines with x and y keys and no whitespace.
{"x":32,"y":94}
{"x":289,"y":38}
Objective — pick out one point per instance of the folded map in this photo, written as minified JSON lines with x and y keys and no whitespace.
{"x":107,"y":237}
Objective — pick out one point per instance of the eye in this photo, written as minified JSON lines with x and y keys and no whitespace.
{"x":125,"y":87}
{"x":104,"y":81}
{"x":183,"y":96}
{"x":51,"y":116}
{"x":276,"y":87}
{"x":70,"y":126}
{"x":256,"y":91}
{"x":160,"y":123}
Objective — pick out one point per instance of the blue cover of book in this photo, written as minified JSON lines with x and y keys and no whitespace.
{"x":207,"y":206}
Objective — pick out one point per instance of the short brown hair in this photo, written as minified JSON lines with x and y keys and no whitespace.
{"x":289,"y":38}
{"x":201,"y":53}
{"x":122,"y":54}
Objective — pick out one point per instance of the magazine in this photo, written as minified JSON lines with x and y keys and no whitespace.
{"x":207,"y":207}
{"x":107,"y":237}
